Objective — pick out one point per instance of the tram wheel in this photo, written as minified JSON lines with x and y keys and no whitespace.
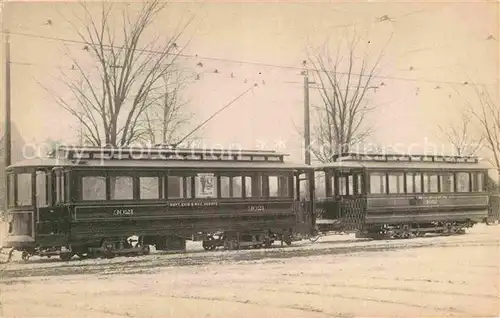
{"x":82,"y":255}
{"x":66,"y":256}
{"x":406,"y":234}
{"x":146,"y":250}
{"x":207,"y":246}
{"x":448,"y":229}
{"x":25,"y":256}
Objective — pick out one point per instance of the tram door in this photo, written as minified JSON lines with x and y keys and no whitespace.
{"x":348,"y":190}
{"x":304,"y":203}
{"x":20,"y":215}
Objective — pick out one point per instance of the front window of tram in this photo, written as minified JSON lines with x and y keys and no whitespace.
{"x":20,"y":216}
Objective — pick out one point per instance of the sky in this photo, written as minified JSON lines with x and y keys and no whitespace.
{"x":432,"y":49}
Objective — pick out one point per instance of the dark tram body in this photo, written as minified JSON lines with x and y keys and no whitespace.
{"x":89,"y":201}
{"x":381,"y":196}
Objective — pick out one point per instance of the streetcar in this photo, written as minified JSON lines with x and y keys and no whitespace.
{"x":400,"y":196}
{"x":88,"y":201}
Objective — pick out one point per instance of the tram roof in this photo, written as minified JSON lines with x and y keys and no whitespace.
{"x":401,"y":162}
{"x":156,"y":164}
{"x":405,"y":165}
{"x":152,"y":152}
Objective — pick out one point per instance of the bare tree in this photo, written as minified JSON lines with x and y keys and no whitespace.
{"x":486,"y":118}
{"x":114,"y":102}
{"x":345,"y":82}
{"x":461,"y":135}
{"x":168,"y":114}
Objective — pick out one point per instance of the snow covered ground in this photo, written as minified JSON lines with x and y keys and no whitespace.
{"x":338,"y":276}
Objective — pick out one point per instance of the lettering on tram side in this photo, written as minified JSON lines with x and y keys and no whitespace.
{"x":192,"y":204}
{"x":121,"y":212}
{"x":428,"y":200}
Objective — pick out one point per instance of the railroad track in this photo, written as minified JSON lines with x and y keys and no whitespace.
{"x":155,"y":261}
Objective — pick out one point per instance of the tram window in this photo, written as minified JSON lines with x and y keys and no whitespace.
{"x":175,"y":187}
{"x":396,"y":183}
{"x":413,"y":183}
{"x":68,"y":186}
{"x":206,"y":186}
{"x":253,"y":186}
{"x":149,"y":188}
{"x":237,"y":188}
{"x":257,"y":186}
{"x":430,"y":183}
{"x":303,"y":189}
{"x":93,"y":188}
{"x":350,"y":185}
{"x":12,"y":186}
{"x":273,"y":186}
{"x":447,"y":182}
{"x":41,"y":189}
{"x":278,"y":186}
{"x":320,"y":184}
{"x":60,"y":187}
{"x":343,"y":185}
{"x":409,"y":183}
{"x":463,"y":182}
{"x":418,"y":182}
{"x":188,"y":183}
{"x":23,"y":189}
{"x":377,"y":183}
{"x":283,"y":186}
{"x":122,"y":188}
{"x":478,"y":182}
{"x":225,"y":186}
{"x":332,"y":182}
{"x":360,"y":189}
{"x":248,"y":187}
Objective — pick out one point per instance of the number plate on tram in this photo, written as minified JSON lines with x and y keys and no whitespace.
{"x":122,"y":212}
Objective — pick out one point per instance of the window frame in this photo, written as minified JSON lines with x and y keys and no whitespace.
{"x":475,"y":182}
{"x":468,"y":183}
{"x":32,"y":177}
{"x":427,"y":186}
{"x":441,"y":183}
{"x":189,"y":185}
{"x":383,"y":176}
{"x":80,"y":179}
{"x":402,"y":184}
{"x":159,"y":193}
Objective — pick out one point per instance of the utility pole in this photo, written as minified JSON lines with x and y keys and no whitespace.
{"x":307,"y":121}
{"x":7,"y":133}
{"x":307,"y":125}
{"x":307,"y":143}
